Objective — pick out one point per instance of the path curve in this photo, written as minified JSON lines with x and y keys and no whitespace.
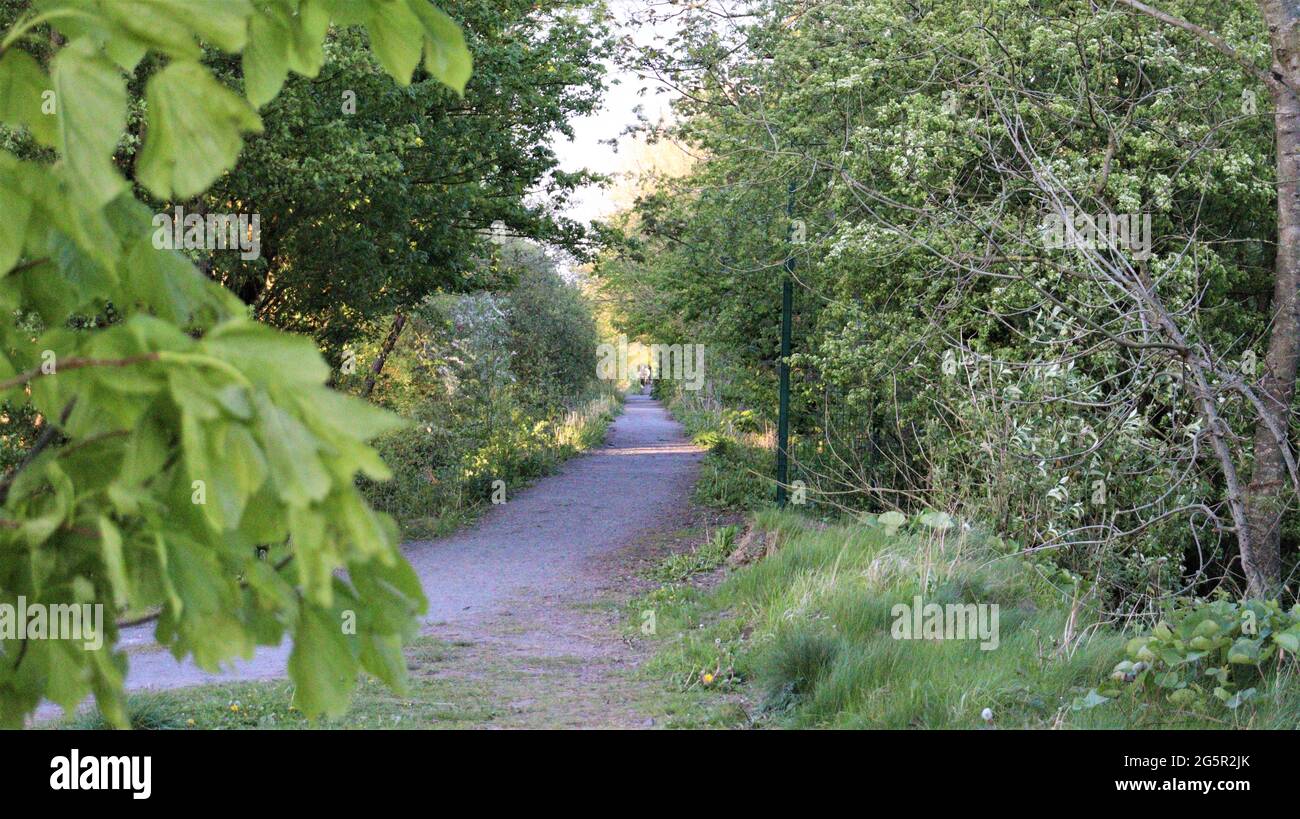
{"x":544,"y":543}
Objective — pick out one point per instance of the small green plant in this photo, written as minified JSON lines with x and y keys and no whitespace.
{"x":741,"y":420}
{"x":709,"y":556}
{"x":711,"y":440}
{"x":892,"y":521}
{"x":1222,"y":648}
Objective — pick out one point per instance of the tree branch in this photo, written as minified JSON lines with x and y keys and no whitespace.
{"x":1218,"y":43}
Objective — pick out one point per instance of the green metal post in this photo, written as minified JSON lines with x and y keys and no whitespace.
{"x":783,"y":415}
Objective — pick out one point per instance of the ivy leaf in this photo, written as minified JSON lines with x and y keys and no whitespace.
{"x":937,"y":520}
{"x":90,"y":97}
{"x":1089,"y":701}
{"x":1288,"y":641}
{"x":892,"y":521}
{"x":1244,"y":652}
{"x":195,"y":131}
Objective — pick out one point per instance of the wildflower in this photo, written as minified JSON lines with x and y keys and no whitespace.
{"x":987,"y":714}
{"x":707,"y":678}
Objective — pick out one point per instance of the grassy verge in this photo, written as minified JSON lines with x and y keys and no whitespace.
{"x":805,"y":638}
{"x":741,"y":455}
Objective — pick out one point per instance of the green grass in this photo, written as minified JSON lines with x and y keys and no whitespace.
{"x":738,"y":460}
{"x":713,"y":553}
{"x":803,"y":639}
{"x":430,"y":702}
{"x":451,"y":685}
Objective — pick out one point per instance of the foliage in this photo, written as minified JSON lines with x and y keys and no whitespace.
{"x":736,"y":471}
{"x":944,"y":358}
{"x":1220,"y":647}
{"x":373,"y":196}
{"x":195,"y":460}
{"x":499,"y":386}
{"x":552,"y":337}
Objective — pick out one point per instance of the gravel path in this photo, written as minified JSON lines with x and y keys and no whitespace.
{"x":545,"y":550}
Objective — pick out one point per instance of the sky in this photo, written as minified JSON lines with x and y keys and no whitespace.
{"x":619,"y":110}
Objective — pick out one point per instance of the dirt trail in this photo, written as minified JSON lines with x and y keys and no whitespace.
{"x":528,"y":580}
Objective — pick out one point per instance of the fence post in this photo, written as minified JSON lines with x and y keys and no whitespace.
{"x":783,"y":413}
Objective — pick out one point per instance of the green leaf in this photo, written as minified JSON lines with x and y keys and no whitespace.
{"x":892,"y":521}
{"x":1091,"y":700}
{"x":381,"y":655}
{"x":23,"y":86}
{"x":170,"y":26}
{"x":321,"y":665}
{"x":110,"y":545}
{"x":346,"y":12}
{"x":203,"y":617}
{"x":90,"y":97}
{"x":242,"y":472}
{"x":291,"y":454}
{"x":1240,"y":698}
{"x":195,"y":131}
{"x":307,"y":47}
{"x":266,"y":355}
{"x":1208,"y":628}
{"x":1289,"y":639}
{"x":446,"y":56}
{"x":937,"y":520}
{"x":13,"y":227}
{"x":266,"y":59}
{"x":1244,"y":652}
{"x":395,"y":38}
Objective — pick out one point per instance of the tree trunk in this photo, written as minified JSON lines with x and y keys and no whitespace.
{"x":399,"y":321}
{"x":1261,"y":557}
